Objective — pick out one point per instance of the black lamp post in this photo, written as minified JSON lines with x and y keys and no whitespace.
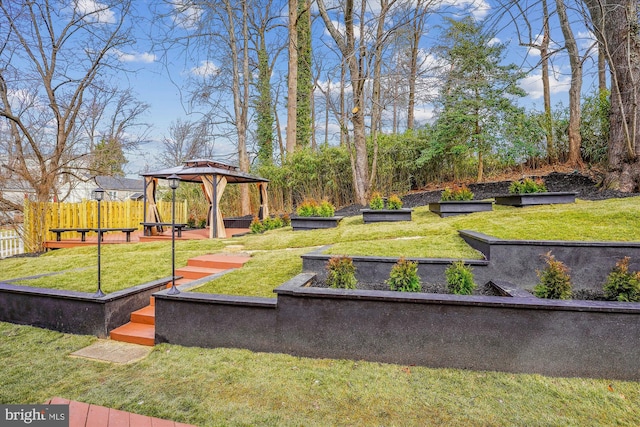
{"x":174,"y":182}
{"x":98,"y":194}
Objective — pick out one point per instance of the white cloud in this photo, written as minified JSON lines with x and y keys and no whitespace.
{"x":206,"y":68}
{"x":532,"y":84}
{"x":95,"y":11}
{"x":478,"y":8}
{"x":145,"y":57}
{"x":186,"y":16}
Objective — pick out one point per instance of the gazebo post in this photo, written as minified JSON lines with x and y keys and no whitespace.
{"x":214,"y":211}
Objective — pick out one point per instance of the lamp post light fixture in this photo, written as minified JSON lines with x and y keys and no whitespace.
{"x":98,"y":195}
{"x":174,"y":182}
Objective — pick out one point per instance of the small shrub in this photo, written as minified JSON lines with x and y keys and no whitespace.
{"x":308,"y":207}
{"x":457,"y":193}
{"x":256,"y":226}
{"x":622,"y":285}
{"x":460,"y":279}
{"x":286,"y":220}
{"x":202,"y":223}
{"x":326,"y":209}
{"x":341,"y":273}
{"x":376,"y":202}
{"x":404,"y":277}
{"x":394,"y":202}
{"x":269,"y":223}
{"x":555,"y":282}
{"x":191,"y":222}
{"x":527,"y":186}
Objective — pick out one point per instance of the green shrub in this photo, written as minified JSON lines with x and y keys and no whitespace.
{"x":341,"y":273}
{"x":202,"y":223}
{"x":460,"y":279}
{"x":622,"y":285}
{"x":269,"y":223}
{"x":326,"y":209}
{"x":404,"y":276}
{"x":394,"y":202}
{"x":555,"y":282}
{"x":308,"y":207}
{"x":191,"y":222}
{"x":457,"y":193}
{"x":527,"y":186}
{"x":256,"y":226}
{"x":376,"y":202}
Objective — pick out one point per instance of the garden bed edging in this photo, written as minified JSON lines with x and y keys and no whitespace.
{"x":73,"y":312}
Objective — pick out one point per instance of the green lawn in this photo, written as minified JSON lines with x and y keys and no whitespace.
{"x":426,"y":236}
{"x":213,"y":387}
{"x":239,"y":387}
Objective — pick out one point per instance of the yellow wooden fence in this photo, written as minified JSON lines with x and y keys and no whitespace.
{"x":40,"y":217}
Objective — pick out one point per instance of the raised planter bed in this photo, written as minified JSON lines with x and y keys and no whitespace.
{"x":531,"y":199}
{"x":460,"y":207}
{"x":314,"y":222}
{"x":511,"y":334}
{"x":386,"y":215}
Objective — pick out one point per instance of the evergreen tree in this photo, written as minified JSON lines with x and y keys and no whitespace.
{"x":108,"y":158}
{"x":477,"y":97}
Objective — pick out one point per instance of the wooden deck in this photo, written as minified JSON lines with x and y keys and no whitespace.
{"x":136,"y":237}
{"x":84,"y":414}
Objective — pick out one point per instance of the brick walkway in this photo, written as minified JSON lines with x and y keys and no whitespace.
{"x":86,"y":415}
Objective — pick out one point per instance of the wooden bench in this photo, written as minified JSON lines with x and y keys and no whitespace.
{"x":127,"y":231}
{"x":148,"y":227}
{"x":83,"y":232}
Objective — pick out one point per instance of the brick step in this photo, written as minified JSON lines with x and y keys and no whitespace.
{"x":146,"y":315}
{"x":218,"y":261}
{"x":190,"y":272}
{"x":135,"y":333}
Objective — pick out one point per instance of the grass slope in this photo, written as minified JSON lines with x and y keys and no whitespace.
{"x":426,"y":236}
{"x":210,"y":387}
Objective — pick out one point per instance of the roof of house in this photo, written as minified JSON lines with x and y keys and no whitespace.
{"x":118,"y":183}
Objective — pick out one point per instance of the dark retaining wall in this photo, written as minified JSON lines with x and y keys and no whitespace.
{"x":376,"y":269}
{"x":518,"y":260}
{"x":73,"y":312}
{"x":528,"y":335}
{"x":515,"y":261}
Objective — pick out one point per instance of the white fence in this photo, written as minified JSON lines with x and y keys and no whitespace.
{"x":10,"y":243}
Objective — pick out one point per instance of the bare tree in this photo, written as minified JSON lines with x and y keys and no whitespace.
{"x":51,"y":53}
{"x":292,"y":92}
{"x":186,"y":141}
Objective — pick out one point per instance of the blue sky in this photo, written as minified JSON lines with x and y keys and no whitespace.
{"x":153,"y":82}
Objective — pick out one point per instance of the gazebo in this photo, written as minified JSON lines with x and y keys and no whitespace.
{"x":214,"y":177}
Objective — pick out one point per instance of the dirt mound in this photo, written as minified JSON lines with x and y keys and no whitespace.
{"x":585,"y":187}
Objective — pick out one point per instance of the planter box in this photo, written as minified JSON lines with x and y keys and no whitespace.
{"x":313,"y":222}
{"x":520,"y":200}
{"x":460,"y":207}
{"x":385,"y":215}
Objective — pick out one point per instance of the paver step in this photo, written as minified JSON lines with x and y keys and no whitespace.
{"x":135,"y":333}
{"x":218,"y":261}
{"x":146,"y":315}
{"x":190,"y":272}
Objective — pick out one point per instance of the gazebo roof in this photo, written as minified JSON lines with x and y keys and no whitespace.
{"x":194,"y":170}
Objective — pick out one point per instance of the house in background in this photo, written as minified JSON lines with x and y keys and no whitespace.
{"x":115,"y":188}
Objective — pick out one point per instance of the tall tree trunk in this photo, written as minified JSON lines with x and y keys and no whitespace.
{"x":354,"y":59}
{"x":546,"y":91}
{"x":575,"y":139}
{"x":615,"y":23}
{"x":292,"y":79}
